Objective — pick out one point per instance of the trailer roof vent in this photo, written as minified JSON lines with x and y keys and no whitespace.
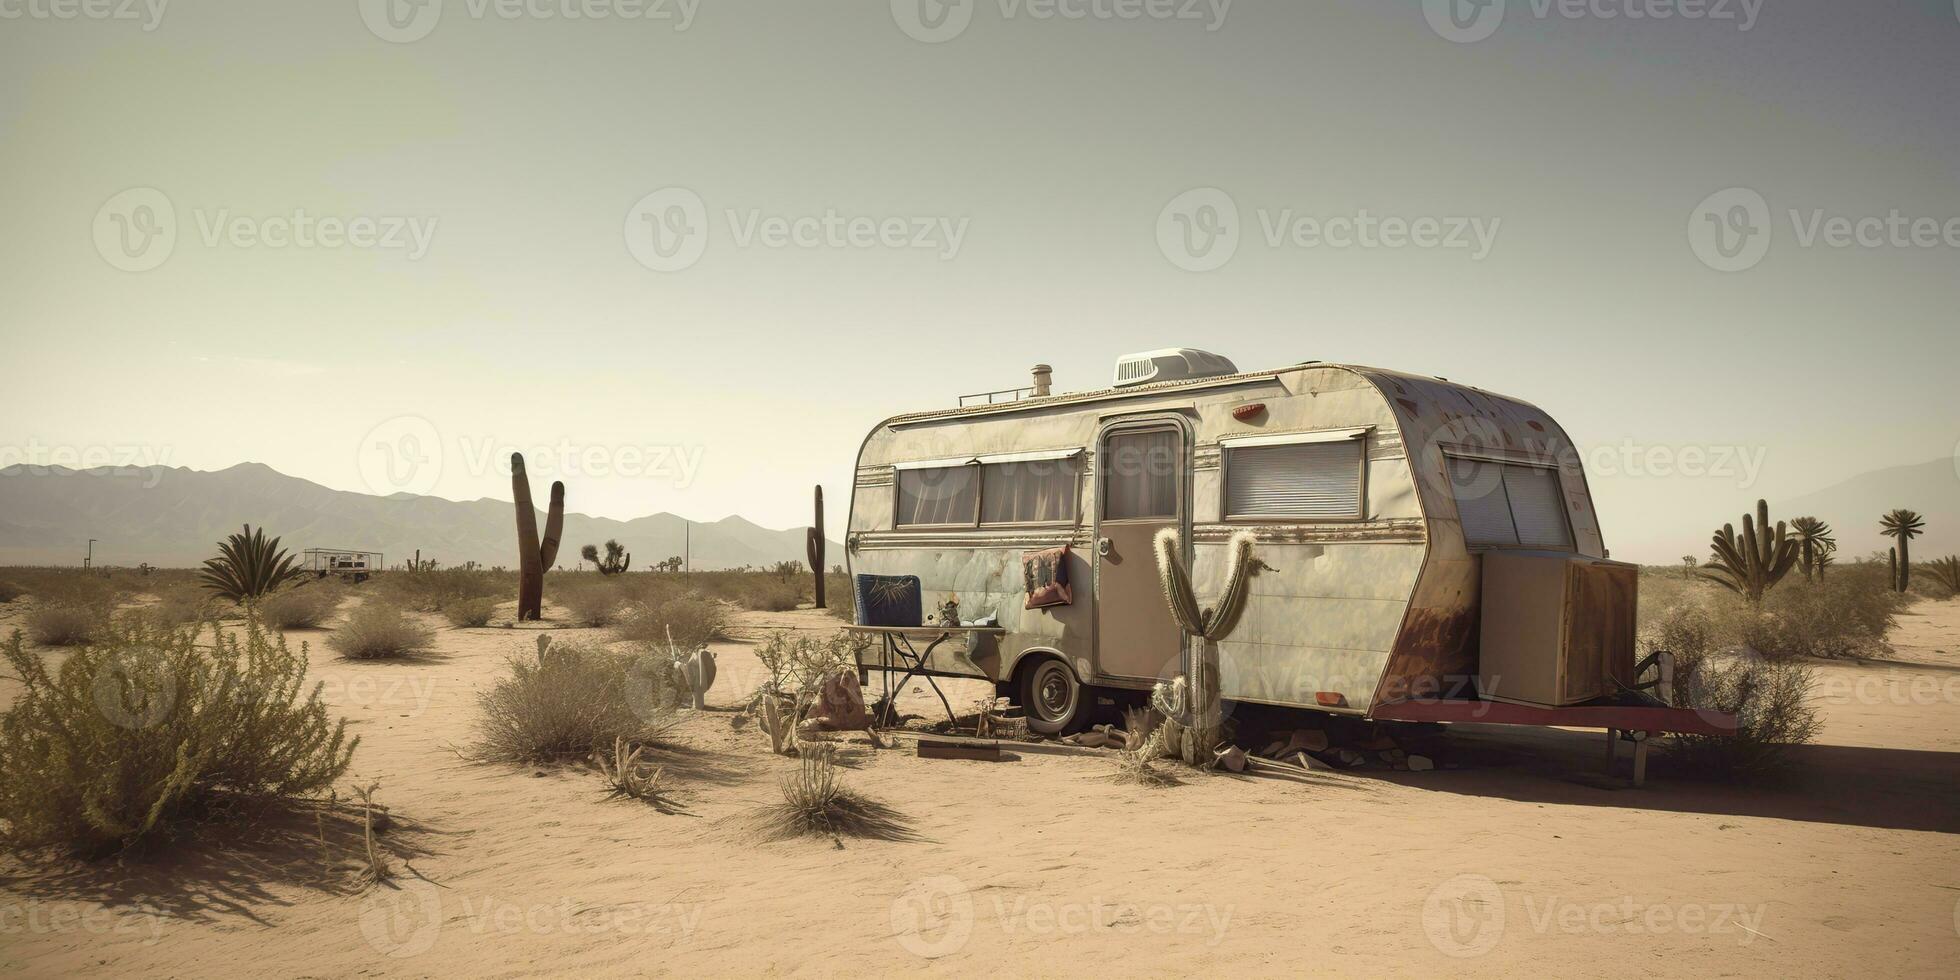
{"x":1170,"y":364}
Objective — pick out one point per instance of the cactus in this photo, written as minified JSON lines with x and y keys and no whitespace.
{"x":1813,"y":537}
{"x":813,"y":543}
{"x":616,"y":560}
{"x":1196,"y":700}
{"x":534,"y":556}
{"x":1903,"y":525}
{"x":1752,"y":564}
{"x":1892,"y":574}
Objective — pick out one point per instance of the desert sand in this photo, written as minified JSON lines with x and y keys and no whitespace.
{"x":1521,"y":862}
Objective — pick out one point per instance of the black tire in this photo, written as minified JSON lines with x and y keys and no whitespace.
{"x":1054,"y":700}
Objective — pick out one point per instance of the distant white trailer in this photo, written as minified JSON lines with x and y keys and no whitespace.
{"x":322,"y":562}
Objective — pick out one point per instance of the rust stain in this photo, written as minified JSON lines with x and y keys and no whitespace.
{"x":1435,"y":654}
{"x":1413,"y":408}
{"x":1535,"y":425}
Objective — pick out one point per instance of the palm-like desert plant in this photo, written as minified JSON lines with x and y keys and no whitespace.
{"x":1946,"y":571}
{"x":1903,"y":525}
{"x":1813,"y":536}
{"x":249,"y":565}
{"x":1753,"y":563}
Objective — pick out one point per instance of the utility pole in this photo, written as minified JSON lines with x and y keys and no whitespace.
{"x":89,"y":562}
{"x":687,"y":547}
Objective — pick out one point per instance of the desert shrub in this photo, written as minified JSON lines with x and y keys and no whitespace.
{"x":1842,"y":615}
{"x":570,"y":700}
{"x":432,"y":590}
{"x":66,"y":623}
{"x":470,"y":612}
{"x":1770,"y":700}
{"x":304,"y":607}
{"x":9,"y":591}
{"x":770,"y":595}
{"x":816,"y":803}
{"x":798,"y":661}
{"x":377,"y":630}
{"x":592,"y":604}
{"x":180,"y":605}
{"x":689,"y":621}
{"x":147,"y":729}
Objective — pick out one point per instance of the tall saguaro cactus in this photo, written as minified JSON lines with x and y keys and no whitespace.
{"x":1201,"y":724}
{"x":813,"y":544}
{"x":1755,"y":562}
{"x":534,"y":557}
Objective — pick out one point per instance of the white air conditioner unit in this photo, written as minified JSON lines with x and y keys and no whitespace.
{"x":1170,"y":364}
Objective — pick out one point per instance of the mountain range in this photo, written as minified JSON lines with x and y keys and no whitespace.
{"x":172,"y":517}
{"x":1853,"y":508}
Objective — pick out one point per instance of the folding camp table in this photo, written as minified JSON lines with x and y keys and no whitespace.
{"x":896,"y":651}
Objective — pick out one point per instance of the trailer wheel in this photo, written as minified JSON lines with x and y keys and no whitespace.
{"x":1052,"y":698}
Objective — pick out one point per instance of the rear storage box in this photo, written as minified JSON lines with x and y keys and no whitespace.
{"x":1557,"y":627}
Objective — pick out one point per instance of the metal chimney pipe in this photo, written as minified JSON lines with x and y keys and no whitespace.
{"x":1043,"y":380}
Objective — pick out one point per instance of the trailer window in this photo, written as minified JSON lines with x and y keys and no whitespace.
{"x":938,"y":495}
{"x":1303,"y":480}
{"x":1140,"y":475}
{"x":1509,"y":505}
{"x":1033,"y":491}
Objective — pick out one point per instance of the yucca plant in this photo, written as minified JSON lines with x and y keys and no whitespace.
{"x":249,"y":565}
{"x":1813,"y":537}
{"x":1753,"y":563}
{"x":1946,"y":571}
{"x":1902,"y":525}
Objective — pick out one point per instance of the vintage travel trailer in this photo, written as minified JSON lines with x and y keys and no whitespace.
{"x":1426,"y":546}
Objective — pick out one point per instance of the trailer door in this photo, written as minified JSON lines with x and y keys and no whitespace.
{"x":1140,"y":469}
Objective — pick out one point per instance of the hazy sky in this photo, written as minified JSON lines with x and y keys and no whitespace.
{"x":1013,"y":178}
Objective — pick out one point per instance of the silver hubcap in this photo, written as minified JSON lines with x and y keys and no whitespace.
{"x":1052,"y":692}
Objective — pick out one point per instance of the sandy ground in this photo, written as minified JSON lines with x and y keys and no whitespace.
{"x":1524,"y":861}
